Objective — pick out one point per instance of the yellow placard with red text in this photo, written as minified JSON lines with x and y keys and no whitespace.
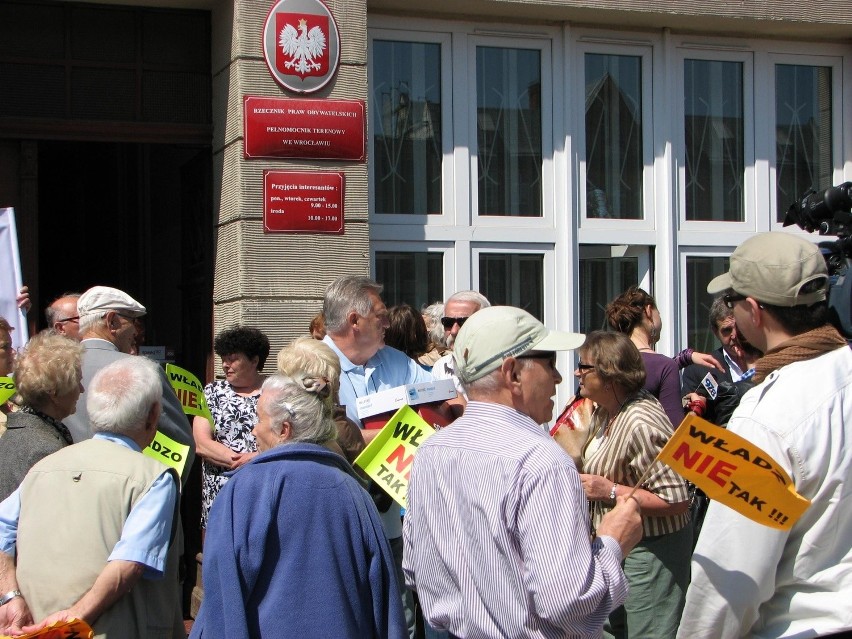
{"x":735,"y":472}
{"x":189,"y":391}
{"x":7,"y":388}
{"x":388,"y":458}
{"x":73,"y":629}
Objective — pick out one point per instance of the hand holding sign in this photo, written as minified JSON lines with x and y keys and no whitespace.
{"x":72,"y":629}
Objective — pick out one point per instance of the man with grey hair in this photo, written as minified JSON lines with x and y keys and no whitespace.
{"x":62,"y":316}
{"x":108,"y":330}
{"x":355,"y":323}
{"x":316,"y":542}
{"x":458,"y":307}
{"x":90,"y":532}
{"x":495,"y":506}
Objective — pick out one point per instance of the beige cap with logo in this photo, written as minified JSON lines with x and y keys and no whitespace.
{"x":492,"y":334}
{"x":772,"y":268}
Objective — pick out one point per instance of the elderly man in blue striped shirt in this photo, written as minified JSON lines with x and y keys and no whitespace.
{"x":496,"y":533}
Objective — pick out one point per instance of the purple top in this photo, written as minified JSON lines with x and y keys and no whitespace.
{"x":663,"y":382}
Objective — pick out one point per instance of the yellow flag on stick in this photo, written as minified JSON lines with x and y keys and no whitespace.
{"x":735,"y":472}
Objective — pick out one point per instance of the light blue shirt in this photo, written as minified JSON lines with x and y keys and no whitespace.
{"x":147,"y":530}
{"x":387,"y":369}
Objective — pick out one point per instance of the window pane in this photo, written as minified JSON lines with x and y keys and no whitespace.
{"x":699,"y":272}
{"x":412,"y":278}
{"x":715,"y":164}
{"x":613,"y":137}
{"x":601,"y":280}
{"x":802,"y":132}
{"x":508,"y":123}
{"x":406,"y":121}
{"x":513,"y":280}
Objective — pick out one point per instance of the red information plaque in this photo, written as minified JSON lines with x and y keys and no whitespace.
{"x":302,"y":202}
{"x":304,"y":128}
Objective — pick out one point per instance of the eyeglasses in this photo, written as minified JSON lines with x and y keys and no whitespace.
{"x":585,"y":368}
{"x":732,"y":298}
{"x":449,"y":322}
{"x":75,"y":319}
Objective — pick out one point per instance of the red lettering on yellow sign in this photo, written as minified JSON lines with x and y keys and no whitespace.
{"x":703,"y":466}
{"x":402,"y":462}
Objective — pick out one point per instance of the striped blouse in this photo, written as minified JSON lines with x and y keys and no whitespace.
{"x":624,"y":452}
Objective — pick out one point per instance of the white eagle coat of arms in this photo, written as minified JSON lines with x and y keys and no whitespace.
{"x":302,"y":46}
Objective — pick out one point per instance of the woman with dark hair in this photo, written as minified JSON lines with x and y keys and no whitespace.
{"x":628,"y":430}
{"x":228,"y":443}
{"x":48,"y":379}
{"x":635,"y":314}
{"x":407,"y":333}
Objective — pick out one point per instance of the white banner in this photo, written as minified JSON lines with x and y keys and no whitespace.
{"x":10,"y":277}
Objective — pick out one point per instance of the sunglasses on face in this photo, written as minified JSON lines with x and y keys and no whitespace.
{"x":449,"y":322}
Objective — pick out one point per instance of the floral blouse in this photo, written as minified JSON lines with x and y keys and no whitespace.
{"x":234,"y":417}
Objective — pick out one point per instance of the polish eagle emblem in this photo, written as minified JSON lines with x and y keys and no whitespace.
{"x":302,"y":46}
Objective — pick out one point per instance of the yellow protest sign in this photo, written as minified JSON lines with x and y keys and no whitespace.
{"x":7,"y":388}
{"x":388,"y":458}
{"x":189,"y":391}
{"x":166,"y":450}
{"x":735,"y":472}
{"x":73,"y":629}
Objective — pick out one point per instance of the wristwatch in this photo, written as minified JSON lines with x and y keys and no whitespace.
{"x":612,"y":492}
{"x":9,"y":596}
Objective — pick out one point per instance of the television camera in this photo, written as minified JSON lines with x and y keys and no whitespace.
{"x":829,"y":212}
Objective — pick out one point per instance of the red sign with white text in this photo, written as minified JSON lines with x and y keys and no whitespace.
{"x":304,"y":129}
{"x":302,"y":202}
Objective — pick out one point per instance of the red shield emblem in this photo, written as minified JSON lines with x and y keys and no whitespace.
{"x":302,"y":44}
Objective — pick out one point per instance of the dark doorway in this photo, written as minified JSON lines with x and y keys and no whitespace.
{"x":131,"y":216}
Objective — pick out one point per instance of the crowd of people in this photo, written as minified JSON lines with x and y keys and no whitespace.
{"x":504,"y":535}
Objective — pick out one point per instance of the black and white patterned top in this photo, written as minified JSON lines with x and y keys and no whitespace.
{"x":234,"y":417}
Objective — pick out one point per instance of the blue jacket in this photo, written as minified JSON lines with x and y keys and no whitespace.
{"x":295,"y":548}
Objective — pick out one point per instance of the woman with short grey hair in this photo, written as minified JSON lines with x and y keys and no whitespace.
{"x":296,"y":525}
{"x":48,"y":379}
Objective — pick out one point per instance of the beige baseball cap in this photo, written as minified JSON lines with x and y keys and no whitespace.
{"x":100,"y":299}
{"x":492,"y":334}
{"x":772,"y":268}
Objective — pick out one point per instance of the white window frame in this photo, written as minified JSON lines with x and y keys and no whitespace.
{"x":446,"y":249}
{"x":835,"y":63}
{"x":547,"y":251}
{"x":709,"y":52}
{"x":683,"y":255}
{"x":589,"y":43}
{"x":545,"y":45}
{"x":447,"y":216}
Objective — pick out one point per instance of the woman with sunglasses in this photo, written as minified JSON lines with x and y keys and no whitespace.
{"x":628,"y":430}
